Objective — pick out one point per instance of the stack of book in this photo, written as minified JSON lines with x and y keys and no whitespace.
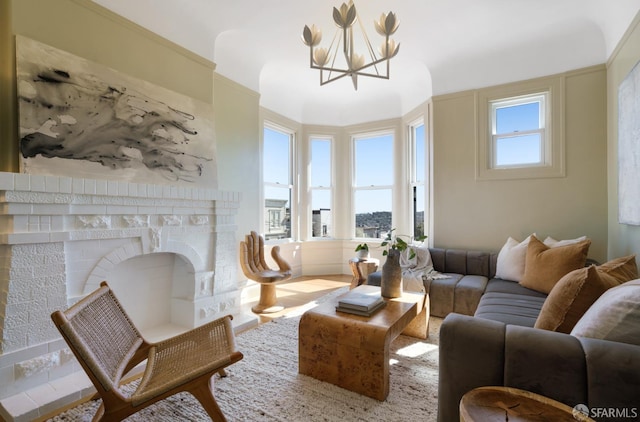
{"x":360,"y":302}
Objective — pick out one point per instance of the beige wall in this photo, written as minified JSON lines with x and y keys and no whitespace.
{"x":8,"y":122}
{"x":623,"y":239}
{"x":482,"y":214}
{"x":237,"y":121}
{"x":87,"y":30}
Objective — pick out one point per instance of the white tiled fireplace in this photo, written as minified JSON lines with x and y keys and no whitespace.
{"x":169,"y":253}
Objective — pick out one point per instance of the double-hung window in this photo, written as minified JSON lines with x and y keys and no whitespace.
{"x":518,"y":131}
{"x":418,"y":168}
{"x":320,"y":187}
{"x":521,"y":130}
{"x":277,"y":165}
{"x":373,"y":160}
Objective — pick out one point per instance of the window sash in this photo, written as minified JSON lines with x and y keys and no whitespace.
{"x":373,"y":189}
{"x":320,"y":187}
{"x":541,"y":131}
{"x":541,"y":150}
{"x":278,"y":215}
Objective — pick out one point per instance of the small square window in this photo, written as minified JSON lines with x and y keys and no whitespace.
{"x":520,"y":130}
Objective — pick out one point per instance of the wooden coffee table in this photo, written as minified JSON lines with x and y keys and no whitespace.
{"x":352,"y":351}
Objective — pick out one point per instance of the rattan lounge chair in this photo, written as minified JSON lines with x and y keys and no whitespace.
{"x":255,"y":268}
{"x":108,"y":346}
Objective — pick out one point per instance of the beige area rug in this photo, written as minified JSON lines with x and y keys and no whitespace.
{"x":266,"y":386}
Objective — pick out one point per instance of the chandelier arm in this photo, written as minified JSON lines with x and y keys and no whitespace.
{"x":372,"y":53}
{"x":335,"y":78}
{"x":348,"y":46}
{"x":358,"y":70}
{"x":374,"y":63}
{"x":335,"y":41}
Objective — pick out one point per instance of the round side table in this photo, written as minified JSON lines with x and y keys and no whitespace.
{"x":494,"y":404}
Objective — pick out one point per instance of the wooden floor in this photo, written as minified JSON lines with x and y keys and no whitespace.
{"x":296,"y":293}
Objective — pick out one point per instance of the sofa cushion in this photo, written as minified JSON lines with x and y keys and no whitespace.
{"x":442,"y":294}
{"x":615,"y":316}
{"x":497,"y":285}
{"x":577,"y":291}
{"x":510,"y":308}
{"x":468,"y":293}
{"x":545,"y":265}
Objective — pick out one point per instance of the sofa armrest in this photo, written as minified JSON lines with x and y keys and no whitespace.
{"x":471,"y":354}
{"x":546,"y":362}
{"x":613,"y":373}
{"x":476,"y":352}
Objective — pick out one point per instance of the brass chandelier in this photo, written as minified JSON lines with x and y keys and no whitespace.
{"x":328,"y":61}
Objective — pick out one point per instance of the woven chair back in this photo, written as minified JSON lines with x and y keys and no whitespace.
{"x":103,"y":336}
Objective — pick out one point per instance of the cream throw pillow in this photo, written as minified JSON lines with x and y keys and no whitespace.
{"x":511,"y":259}
{"x":615,"y":316}
{"x":544,"y":266}
{"x":552,"y":243}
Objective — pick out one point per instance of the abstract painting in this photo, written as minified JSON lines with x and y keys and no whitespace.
{"x":629,"y":148}
{"x":82,"y":119}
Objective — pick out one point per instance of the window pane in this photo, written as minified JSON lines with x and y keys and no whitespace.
{"x":321,"y":225}
{"x":277,"y":212}
{"x":420,"y":157}
{"x":516,"y":150}
{"x":373,"y":212}
{"x":276,"y":156}
{"x":518,"y":118}
{"x":320,"y":163}
{"x":418,"y":211}
{"x":374,"y":161}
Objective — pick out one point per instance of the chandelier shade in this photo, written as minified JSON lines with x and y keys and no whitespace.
{"x":340,"y":59}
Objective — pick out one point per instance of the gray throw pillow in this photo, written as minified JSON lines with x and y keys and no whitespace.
{"x":615,"y":316}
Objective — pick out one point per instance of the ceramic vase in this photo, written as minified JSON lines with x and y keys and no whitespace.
{"x":391,"y":281}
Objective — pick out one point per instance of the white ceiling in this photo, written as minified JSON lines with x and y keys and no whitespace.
{"x":446,"y":46}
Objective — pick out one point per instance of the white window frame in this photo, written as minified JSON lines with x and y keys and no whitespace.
{"x":290,"y":185}
{"x":552,"y":163}
{"x":330,"y":188}
{"x":413,"y":175}
{"x":541,"y":99}
{"x":354,"y":188}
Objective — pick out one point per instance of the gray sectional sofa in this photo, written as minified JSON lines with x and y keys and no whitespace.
{"x":487,"y":338}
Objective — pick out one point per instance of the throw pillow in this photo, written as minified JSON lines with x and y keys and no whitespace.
{"x":615,"y":316}
{"x":511,"y":259}
{"x":544,"y":266}
{"x":551,"y":242}
{"x":574,"y":293}
{"x":570,"y":298}
{"x":619,"y":270}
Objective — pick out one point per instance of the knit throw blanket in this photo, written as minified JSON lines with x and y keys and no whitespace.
{"x":417,"y":270}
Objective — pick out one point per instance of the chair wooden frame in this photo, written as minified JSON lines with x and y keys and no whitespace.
{"x":255,"y":268}
{"x":108,"y":345}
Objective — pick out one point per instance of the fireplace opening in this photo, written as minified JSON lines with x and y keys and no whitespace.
{"x":146,"y":285}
